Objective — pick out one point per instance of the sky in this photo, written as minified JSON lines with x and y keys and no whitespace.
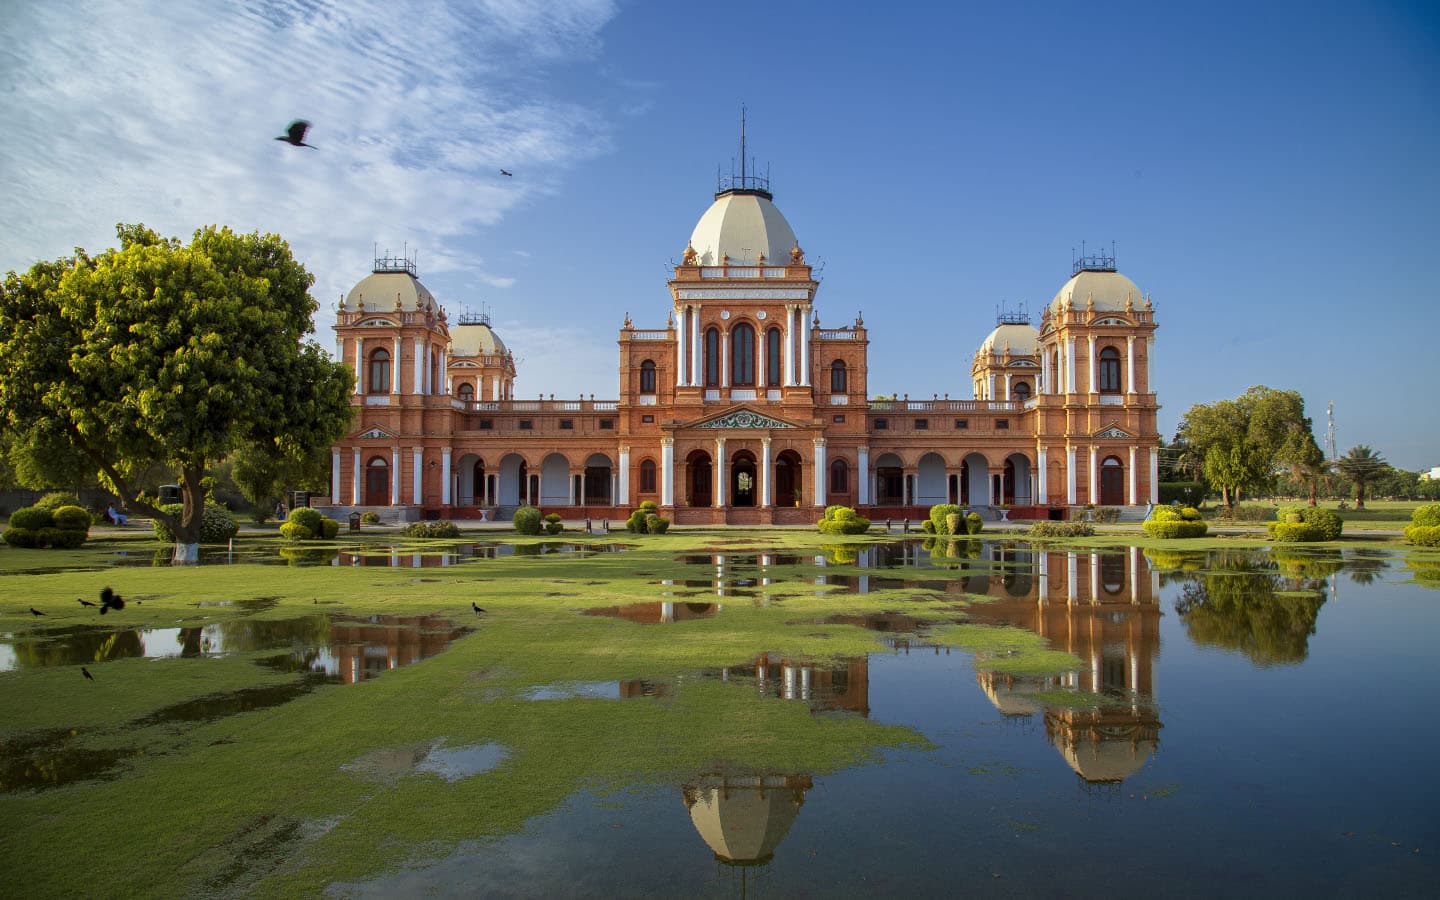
{"x":1268,"y":172}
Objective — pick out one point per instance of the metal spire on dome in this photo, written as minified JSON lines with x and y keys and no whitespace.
{"x":1094,"y":262}
{"x":745,"y":182}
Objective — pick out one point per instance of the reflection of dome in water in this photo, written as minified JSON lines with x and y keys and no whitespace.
{"x":1104,"y":753}
{"x":1004,"y":692}
{"x":744,"y":818}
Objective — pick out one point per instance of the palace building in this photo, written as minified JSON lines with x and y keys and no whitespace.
{"x":742,"y":408}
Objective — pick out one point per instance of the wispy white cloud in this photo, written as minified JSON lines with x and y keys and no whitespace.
{"x":163,"y":112}
{"x":560,"y":360}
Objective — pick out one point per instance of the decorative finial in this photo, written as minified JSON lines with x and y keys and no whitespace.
{"x":628,"y":323}
{"x":691,"y":257}
{"x":1147,"y":302}
{"x":670,"y":319}
{"x":761,"y":259}
{"x":817,"y":318}
{"x":1129,"y":302}
{"x":1090,"y":302}
{"x":342,"y":303}
{"x":797,"y":256}
{"x":725,"y":259}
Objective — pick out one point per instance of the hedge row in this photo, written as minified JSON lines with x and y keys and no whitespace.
{"x":1167,"y":522}
{"x":842,"y":520}
{"x":1424,"y":527}
{"x":1304,"y":524}
{"x":1047,"y":528}
{"x":62,"y":527}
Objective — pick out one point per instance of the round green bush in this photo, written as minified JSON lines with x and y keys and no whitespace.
{"x":1327,"y":523}
{"x":636,"y":523}
{"x":56,"y":500}
{"x":1174,"y":528}
{"x":294,"y":531}
{"x":32,"y":518}
{"x":656,"y":524}
{"x":974,"y":524}
{"x":843,"y":520}
{"x":216,"y":524}
{"x":304,"y":515}
{"x":928,"y":526}
{"x":650,"y":506}
{"x":1296,"y":532}
{"x":1419,"y":535}
{"x":939,"y":517}
{"x":27,"y":538}
{"x":1427,"y":515}
{"x":61,"y":539}
{"x":370,"y":517}
{"x":1165,"y":514}
{"x":441,"y":528}
{"x":72,"y":518}
{"x":553,"y":524}
{"x":329,"y":528}
{"x":527,"y":520}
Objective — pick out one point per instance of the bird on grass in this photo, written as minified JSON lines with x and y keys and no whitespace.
{"x":110,"y":600}
{"x":295,"y":134}
{"x":35,"y":612}
{"x":476,"y":607}
{"x":86,"y":672}
{"x":83,"y":602}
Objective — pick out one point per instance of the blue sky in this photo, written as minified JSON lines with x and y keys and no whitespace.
{"x":1269,"y":172}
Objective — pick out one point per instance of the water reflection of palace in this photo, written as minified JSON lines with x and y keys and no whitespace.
{"x":362,"y":649}
{"x":827,"y":685}
{"x":1104,"y":609}
{"x":743,"y":818}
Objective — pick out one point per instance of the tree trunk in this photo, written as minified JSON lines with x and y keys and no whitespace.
{"x":1359,"y":495}
{"x":187,"y":530}
{"x":1312,"y":492}
{"x":1225,"y":495}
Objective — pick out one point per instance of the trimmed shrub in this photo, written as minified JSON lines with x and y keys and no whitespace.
{"x":1295,"y":532}
{"x":437,"y":529}
{"x":1419,"y":535}
{"x":27,"y":538}
{"x":32,"y":518}
{"x":72,"y":518}
{"x":527,"y":520}
{"x":1048,"y":529}
{"x":928,"y":526}
{"x":304,"y":515}
{"x":974,"y":524}
{"x":553,"y":525}
{"x":329,"y":528}
{"x":54,"y":501}
{"x":1175,"y":528}
{"x":216,"y":524}
{"x":636,"y":523}
{"x":843,"y":520}
{"x":290,"y":531}
{"x":1322,"y":522}
{"x":1427,"y":515}
{"x":1105,"y":514}
{"x":656,"y":524}
{"x":369,"y":517}
{"x":840,"y":554}
{"x":939,"y":517}
{"x":61,"y":538}
{"x":650,"y":506}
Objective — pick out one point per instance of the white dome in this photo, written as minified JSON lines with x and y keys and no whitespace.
{"x":475,"y":340}
{"x":379,"y":290}
{"x":1020,"y":339}
{"x":1109,"y":289}
{"x":742,"y":225}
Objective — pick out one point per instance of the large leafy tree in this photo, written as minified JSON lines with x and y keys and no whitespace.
{"x":171,"y":354}
{"x":1361,"y":466}
{"x":1238,"y":445}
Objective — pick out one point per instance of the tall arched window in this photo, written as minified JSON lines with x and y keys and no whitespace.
{"x":837,"y":377}
{"x":465,"y":392}
{"x":379,"y":381}
{"x":772,"y":357}
{"x":1109,"y":371}
{"x":742,"y":355}
{"x":647,"y":476}
{"x":839,"y":477}
{"x":712,"y":358}
{"x":1021,"y":391}
{"x":647,"y":377}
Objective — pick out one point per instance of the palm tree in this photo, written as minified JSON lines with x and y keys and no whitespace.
{"x":1361,"y":465}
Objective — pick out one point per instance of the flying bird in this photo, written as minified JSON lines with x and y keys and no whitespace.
{"x":86,"y":672}
{"x":295,"y":134}
{"x":110,"y":600}
{"x":83,"y":602}
{"x":35,"y":612}
{"x":506,"y":174}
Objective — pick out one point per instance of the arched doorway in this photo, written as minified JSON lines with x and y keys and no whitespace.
{"x":596,"y":488}
{"x":377,"y":482}
{"x":1112,"y":482}
{"x":744,"y":483}
{"x":699,"y":479}
{"x":930,"y":480}
{"x":555,"y":480}
{"x":469,"y":478}
{"x":788,"y":479}
{"x":514,"y":481}
{"x":975,"y":481}
{"x":889,"y":481}
{"x":1017,"y":480}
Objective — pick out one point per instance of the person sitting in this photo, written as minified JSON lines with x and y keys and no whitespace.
{"x":115,"y":517}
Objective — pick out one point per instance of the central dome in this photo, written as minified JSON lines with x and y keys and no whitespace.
{"x":742,"y":225}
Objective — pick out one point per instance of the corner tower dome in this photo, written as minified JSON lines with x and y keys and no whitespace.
{"x":1095,"y":279}
{"x":472,"y":336}
{"x":390,"y":283}
{"x":742,"y":224}
{"x":1020,"y":339}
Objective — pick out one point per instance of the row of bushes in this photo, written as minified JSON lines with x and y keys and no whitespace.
{"x":1048,"y":529}
{"x":1172,"y":522}
{"x":306,"y":524}
{"x":947,"y":519}
{"x":438,"y":529}
{"x":1304,"y":524}
{"x":1424,"y":527}
{"x":842,"y":520}
{"x":647,"y":520}
{"x":57,"y":521}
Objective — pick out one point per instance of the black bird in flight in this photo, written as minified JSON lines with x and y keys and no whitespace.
{"x":476,"y":607}
{"x":506,"y":174}
{"x":83,"y":602}
{"x":35,"y":612}
{"x":295,"y":134}
{"x":86,"y":672}
{"x":110,"y":600}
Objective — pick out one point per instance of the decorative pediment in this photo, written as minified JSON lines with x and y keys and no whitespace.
{"x":375,"y":432}
{"x":743,"y":418}
{"x":1113,"y":432}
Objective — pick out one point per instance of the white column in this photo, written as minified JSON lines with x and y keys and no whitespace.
{"x":334,"y":476}
{"x":1072,"y":575}
{"x":1094,"y":479}
{"x":622,"y":495}
{"x":1134,"y":480}
{"x":1043,"y":486}
{"x":696,"y":375}
{"x":1007,"y":387}
{"x":1070,"y":365}
{"x":419,"y":454}
{"x":1130,"y":364}
{"x":724,"y":359}
{"x":571,"y":480}
{"x":820,"y":472}
{"x":1149,"y":358}
{"x":1090,"y":384}
{"x":863,"y":476}
{"x":682,"y":334}
{"x":1154,"y":475}
{"x":1070,"y":475}
{"x":394,"y":476}
{"x":1045,"y":387}
{"x":444,"y":386}
{"x":760,"y":372}
{"x":395,"y":368}
{"x":765,"y":499}
{"x":667,"y":471}
{"x":787,"y":351}
{"x":359,"y":365}
{"x":355,"y":482}
{"x":805,"y":345}
{"x":445,"y":478}
{"x":719,"y":471}
{"x":990,"y":386}
{"x":416,"y":388}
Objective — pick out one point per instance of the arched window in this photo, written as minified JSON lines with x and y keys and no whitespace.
{"x":1109,"y":371}
{"x":379,"y":381}
{"x":839,"y":477}
{"x":712,"y":358}
{"x":742,"y":355}
{"x":837,"y":377}
{"x":647,"y":476}
{"x":647,"y":377}
{"x":772,"y":357}
{"x":465,"y":392}
{"x":1021,"y":391}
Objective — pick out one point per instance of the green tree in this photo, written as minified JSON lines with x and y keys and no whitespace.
{"x":1239,"y":445}
{"x":161,"y":353}
{"x":1360,"y":466}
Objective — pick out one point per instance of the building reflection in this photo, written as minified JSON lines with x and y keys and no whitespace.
{"x":1103,"y":608}
{"x":744,"y":817}
{"x":828,"y":685}
{"x":657,"y":612}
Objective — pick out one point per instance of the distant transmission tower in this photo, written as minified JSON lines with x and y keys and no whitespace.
{"x":1330,"y":431}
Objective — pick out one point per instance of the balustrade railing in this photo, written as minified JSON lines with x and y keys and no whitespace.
{"x":649,"y":335}
{"x":839,"y":334}
{"x":945,"y":405}
{"x":503,"y":406}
